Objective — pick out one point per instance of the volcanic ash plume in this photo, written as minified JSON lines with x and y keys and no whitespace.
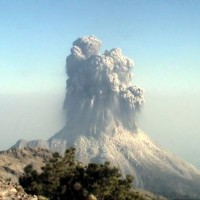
{"x":100,"y":94}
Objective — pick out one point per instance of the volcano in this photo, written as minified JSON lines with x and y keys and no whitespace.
{"x":102,"y":105}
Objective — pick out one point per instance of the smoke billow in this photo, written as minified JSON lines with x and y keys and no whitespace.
{"x":100,"y":95}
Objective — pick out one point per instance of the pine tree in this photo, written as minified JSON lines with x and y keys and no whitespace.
{"x":65,"y":178}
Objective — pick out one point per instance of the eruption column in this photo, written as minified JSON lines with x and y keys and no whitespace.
{"x":100,"y":94}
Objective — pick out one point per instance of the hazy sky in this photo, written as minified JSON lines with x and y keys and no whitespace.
{"x":162,"y":36}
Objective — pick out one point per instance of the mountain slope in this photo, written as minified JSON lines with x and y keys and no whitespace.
{"x":154,"y":169}
{"x":13,"y":161}
{"x":134,"y":153}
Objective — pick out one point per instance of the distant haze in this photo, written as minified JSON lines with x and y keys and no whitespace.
{"x":172,"y":120}
{"x":29,"y":116}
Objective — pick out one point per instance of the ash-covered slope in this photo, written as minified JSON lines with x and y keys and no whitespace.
{"x":154,"y":169}
{"x":101,"y":108}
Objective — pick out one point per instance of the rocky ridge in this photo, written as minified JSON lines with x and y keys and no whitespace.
{"x":10,"y":191}
{"x":13,"y":161}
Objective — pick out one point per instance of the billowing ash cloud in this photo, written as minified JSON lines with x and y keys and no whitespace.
{"x":100,"y":94}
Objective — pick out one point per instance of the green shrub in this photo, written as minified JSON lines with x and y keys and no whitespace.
{"x":65,"y":178}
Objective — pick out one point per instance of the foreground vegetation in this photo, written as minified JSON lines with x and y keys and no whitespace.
{"x":64,"y":178}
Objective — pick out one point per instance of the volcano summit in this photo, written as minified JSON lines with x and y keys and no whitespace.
{"x":101,"y":106}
